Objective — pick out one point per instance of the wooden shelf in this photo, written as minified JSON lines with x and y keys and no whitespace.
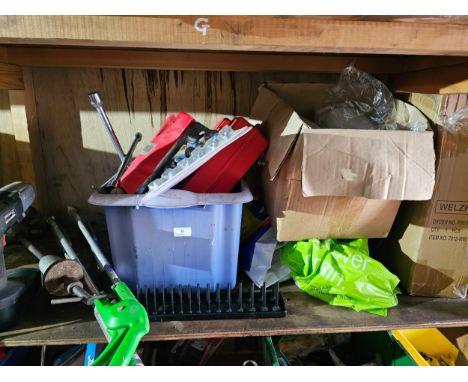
{"x":384,"y":35}
{"x":58,"y":59}
{"x":435,"y":48}
{"x":44,"y":324}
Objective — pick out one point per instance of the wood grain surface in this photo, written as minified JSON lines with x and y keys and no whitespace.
{"x":9,"y":164}
{"x":44,"y":324}
{"x":11,"y":77}
{"x":72,"y":144}
{"x":212,"y":61}
{"x":400,"y":35}
{"x":444,"y":80}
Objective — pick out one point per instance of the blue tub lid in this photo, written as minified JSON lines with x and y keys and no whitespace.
{"x":171,"y":199}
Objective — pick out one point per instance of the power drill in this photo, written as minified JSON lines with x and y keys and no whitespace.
{"x":15,"y":199}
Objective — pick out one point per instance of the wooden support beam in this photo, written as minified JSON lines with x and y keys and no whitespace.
{"x":193,"y":60}
{"x":443,"y":80}
{"x":3,"y":54}
{"x":20,"y":129}
{"x":417,"y":63}
{"x":243,"y":33}
{"x":9,"y":167}
{"x":27,"y":140}
{"x":11,"y":77}
{"x":218,"y":61}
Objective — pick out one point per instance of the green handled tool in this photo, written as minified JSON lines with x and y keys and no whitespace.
{"x":123,"y":319}
{"x":124,"y":322}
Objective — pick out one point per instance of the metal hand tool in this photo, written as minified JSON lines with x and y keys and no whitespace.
{"x":123,"y":320}
{"x":71,"y":254}
{"x":65,"y":300}
{"x":96,"y":102}
{"x":112,"y":183}
{"x":58,"y":275}
{"x":76,"y":288}
{"x":102,"y":261}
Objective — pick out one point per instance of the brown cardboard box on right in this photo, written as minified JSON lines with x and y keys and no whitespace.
{"x":337,"y":183}
{"x":428,"y":244}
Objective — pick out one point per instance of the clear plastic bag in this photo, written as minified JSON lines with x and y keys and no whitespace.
{"x":409,"y":118}
{"x":457,"y":122}
{"x":359,"y":101}
{"x":261,"y":258}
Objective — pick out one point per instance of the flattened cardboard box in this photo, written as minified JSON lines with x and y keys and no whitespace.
{"x":336,"y":183}
{"x":428,"y":245}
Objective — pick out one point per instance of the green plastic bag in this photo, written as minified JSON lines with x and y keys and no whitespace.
{"x":341,"y":272}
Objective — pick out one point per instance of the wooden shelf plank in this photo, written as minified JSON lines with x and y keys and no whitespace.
{"x":74,"y":324}
{"x":443,"y":80}
{"x":417,"y":36}
{"x":198,"y":60}
{"x":218,"y":61}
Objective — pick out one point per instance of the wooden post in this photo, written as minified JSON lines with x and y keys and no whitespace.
{"x":27,"y":139}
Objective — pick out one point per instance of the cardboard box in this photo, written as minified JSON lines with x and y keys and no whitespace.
{"x":336,"y":183}
{"x":428,"y":245}
{"x":458,"y":337}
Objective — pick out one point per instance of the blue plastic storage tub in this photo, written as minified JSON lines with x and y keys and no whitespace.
{"x":175,"y":238}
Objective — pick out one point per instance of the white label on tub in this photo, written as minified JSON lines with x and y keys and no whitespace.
{"x":182,"y":231}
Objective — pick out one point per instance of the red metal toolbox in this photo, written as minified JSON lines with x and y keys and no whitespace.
{"x":222,"y":172}
{"x":145,"y":163}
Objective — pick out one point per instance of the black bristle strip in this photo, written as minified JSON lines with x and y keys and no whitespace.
{"x":240,"y":306}
{"x":218,"y":298}
{"x":252,"y":298}
{"x":264,"y":298}
{"x":155,"y":300}
{"x":181,"y":300}
{"x":145,"y":291}
{"x":189,"y":292}
{"x":163,"y":300}
{"x":198,"y":299}
{"x":252,"y":302}
{"x":276,"y":301}
{"x":229,"y":307}
{"x":208,"y":298}
{"x":172,"y":301}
